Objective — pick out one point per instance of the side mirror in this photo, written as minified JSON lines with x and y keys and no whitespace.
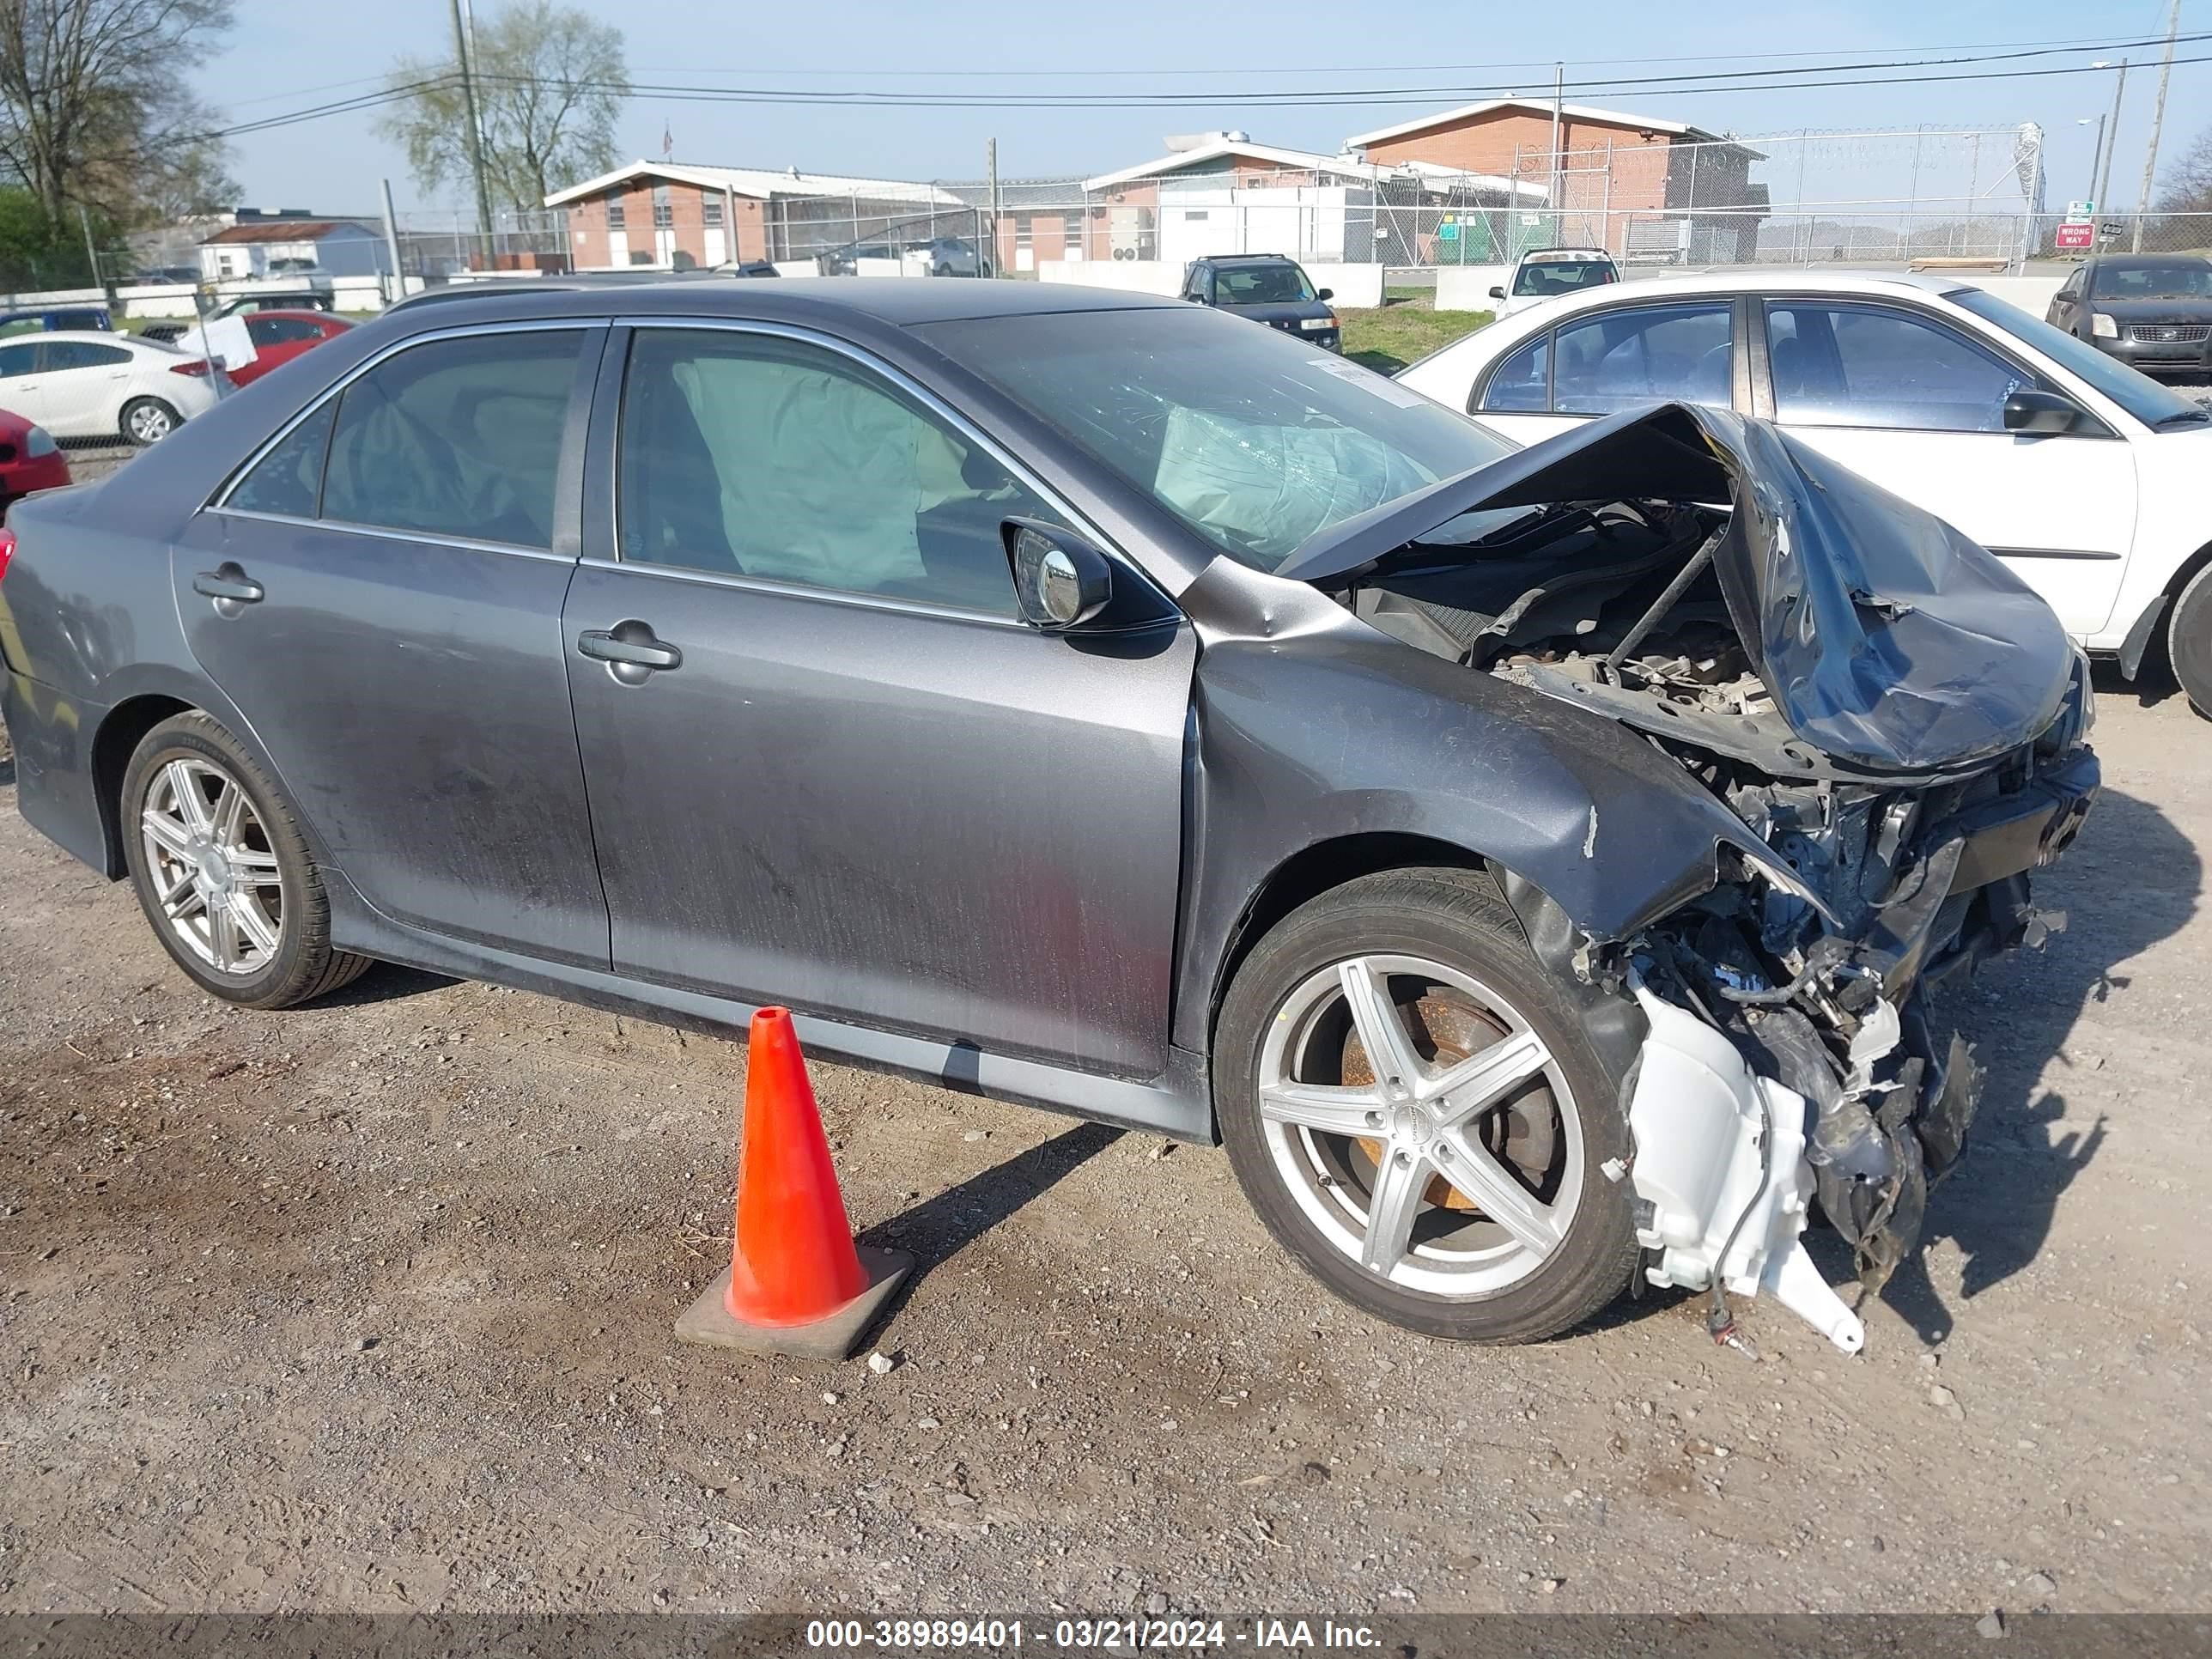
{"x":1324,"y":294}
{"x":1497,"y":292}
{"x":1060,"y":582}
{"x":2035,"y":411}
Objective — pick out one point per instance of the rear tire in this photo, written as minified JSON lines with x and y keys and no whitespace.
{"x":222,"y":872}
{"x":147,"y":420}
{"x":2189,"y":641}
{"x":1436,"y":957}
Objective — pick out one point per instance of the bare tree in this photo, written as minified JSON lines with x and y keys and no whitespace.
{"x":94,"y":110}
{"x":2189,"y":181}
{"x":550,"y":83}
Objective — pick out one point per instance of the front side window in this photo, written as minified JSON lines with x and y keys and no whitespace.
{"x":1836,"y":365}
{"x":457,"y":437}
{"x":281,"y":331}
{"x":288,"y":480}
{"x":749,"y":455}
{"x":1648,"y":354}
{"x":1261,"y":285}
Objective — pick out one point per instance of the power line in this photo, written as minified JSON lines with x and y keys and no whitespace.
{"x":1649,"y":87}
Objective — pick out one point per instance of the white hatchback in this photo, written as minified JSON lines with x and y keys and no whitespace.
{"x":2086,"y":477}
{"x":85,"y":383}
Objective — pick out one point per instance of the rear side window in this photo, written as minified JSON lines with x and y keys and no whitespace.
{"x":458,"y":437}
{"x":750,"y":455}
{"x":289,"y":478}
{"x":281,"y":331}
{"x":1651,"y":354}
{"x":1522,"y":384}
{"x":19,"y":359}
{"x":57,"y":355}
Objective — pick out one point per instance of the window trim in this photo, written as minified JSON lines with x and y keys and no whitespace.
{"x":614,"y":373}
{"x":567,"y":477}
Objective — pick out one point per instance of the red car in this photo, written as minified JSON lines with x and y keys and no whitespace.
{"x":279,"y":336}
{"x":29,"y":459}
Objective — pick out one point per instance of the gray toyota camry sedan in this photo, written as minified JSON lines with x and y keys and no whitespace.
{"x":1533,"y":865}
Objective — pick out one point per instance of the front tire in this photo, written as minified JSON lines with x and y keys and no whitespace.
{"x":1459,"y":1188}
{"x":2189,"y":641}
{"x":222,"y":872}
{"x":147,"y":420}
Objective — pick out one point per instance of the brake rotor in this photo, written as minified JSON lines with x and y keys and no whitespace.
{"x":1448,"y":1027}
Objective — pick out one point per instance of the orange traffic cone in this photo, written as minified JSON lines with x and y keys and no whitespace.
{"x":797,"y":1283}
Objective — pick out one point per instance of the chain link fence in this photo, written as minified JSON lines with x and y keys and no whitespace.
{"x":436,"y":245}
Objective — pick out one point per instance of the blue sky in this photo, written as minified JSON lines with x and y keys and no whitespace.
{"x":285,"y":55}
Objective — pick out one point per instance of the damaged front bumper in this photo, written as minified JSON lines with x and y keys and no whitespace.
{"x":1792,"y":1067}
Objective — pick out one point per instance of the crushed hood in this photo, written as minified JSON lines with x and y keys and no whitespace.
{"x":1888,"y":639}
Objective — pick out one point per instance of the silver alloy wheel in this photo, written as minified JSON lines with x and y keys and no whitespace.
{"x":150,"y":422}
{"x":215,"y":875}
{"x":1420,"y":1170}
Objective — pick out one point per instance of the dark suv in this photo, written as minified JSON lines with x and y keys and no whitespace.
{"x":1268,"y":288}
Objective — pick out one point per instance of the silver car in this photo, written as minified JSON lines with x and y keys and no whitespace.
{"x":1530,"y":864}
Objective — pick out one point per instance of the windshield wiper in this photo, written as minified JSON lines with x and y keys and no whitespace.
{"x":2183,"y":417}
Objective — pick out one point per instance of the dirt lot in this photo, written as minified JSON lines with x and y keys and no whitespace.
{"x":367,"y":1307}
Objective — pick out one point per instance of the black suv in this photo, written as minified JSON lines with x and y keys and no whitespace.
{"x":1268,"y":288}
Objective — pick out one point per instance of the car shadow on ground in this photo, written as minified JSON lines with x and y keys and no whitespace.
{"x":2133,"y":880}
{"x":387,"y":982}
{"x":7,"y":770}
{"x":938,"y":1228}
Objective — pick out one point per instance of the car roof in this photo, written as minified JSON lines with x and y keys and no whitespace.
{"x":96,"y":336}
{"x":1246,"y":259}
{"x":305,"y":314}
{"x":1565,"y":254}
{"x":899,"y":302}
{"x":1755,"y":279}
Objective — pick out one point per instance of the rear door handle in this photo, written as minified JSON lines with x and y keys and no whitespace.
{"x":227,"y":583}
{"x":629,"y":651}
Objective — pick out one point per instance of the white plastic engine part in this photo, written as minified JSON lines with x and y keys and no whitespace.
{"x":1698,"y":1118}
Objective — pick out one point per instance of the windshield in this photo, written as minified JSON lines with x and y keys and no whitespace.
{"x":2140,"y":396}
{"x":1562,"y":275}
{"x":2146,"y":279}
{"x":1254,"y":441}
{"x":1261,"y":285}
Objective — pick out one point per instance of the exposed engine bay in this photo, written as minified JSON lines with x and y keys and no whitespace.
{"x":1897,"y":721}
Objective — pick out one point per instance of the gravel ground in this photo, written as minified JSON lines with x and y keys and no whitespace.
{"x":367,"y":1308}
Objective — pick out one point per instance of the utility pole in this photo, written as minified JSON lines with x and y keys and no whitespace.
{"x":2157,"y":120}
{"x":990,"y":173}
{"x":2096,"y":161}
{"x":2102,"y":183}
{"x":392,"y":245}
{"x":91,"y":252}
{"x":1558,"y":93}
{"x":475,"y":135}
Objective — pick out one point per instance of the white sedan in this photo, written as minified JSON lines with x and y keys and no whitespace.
{"x":84,"y":384}
{"x":2086,"y":477}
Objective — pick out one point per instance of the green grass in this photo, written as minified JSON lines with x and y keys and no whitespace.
{"x":1387,"y":339}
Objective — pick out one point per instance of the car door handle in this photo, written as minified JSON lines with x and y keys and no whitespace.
{"x":227,"y":583}
{"x":631,"y":646}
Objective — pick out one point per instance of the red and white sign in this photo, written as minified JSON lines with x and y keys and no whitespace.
{"x":2076,"y":235}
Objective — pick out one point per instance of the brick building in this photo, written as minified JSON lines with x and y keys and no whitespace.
{"x":1616,"y":172}
{"x":677,"y":217}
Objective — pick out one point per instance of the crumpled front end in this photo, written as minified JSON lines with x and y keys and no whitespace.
{"x":1896,"y":726}
{"x":1817,"y":971}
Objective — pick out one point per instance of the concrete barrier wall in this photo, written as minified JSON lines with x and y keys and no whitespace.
{"x":1467,"y":288}
{"x":2031,"y":294}
{"x":1127,"y":276}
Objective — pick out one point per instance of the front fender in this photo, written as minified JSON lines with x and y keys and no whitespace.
{"x":1348,"y":732}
